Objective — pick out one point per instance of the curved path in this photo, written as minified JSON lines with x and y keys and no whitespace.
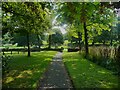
{"x":56,"y":76}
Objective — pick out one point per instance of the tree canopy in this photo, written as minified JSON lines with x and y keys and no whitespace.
{"x":88,"y":18}
{"x":25,"y":18}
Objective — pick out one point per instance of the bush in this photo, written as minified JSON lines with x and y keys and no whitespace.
{"x":108,"y":57}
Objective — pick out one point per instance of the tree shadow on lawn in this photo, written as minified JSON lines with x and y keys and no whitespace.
{"x":25,"y":72}
{"x":86,"y":74}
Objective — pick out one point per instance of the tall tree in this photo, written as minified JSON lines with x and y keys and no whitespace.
{"x":31,"y":20}
{"x":87,"y":14}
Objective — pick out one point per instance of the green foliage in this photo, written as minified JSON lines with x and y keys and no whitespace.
{"x":21,"y":40}
{"x":104,"y":37}
{"x":25,"y":18}
{"x":30,"y":18}
{"x":7,"y":38}
{"x":57,"y":39}
{"x":97,"y":15}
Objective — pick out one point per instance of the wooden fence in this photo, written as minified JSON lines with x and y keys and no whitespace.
{"x":32,"y":50}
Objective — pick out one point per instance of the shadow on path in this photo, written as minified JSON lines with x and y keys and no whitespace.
{"x":56,"y":76}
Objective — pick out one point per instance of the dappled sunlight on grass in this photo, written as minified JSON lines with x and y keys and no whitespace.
{"x":86,"y":74}
{"x":72,"y":60}
{"x":47,"y":59}
{"x":25,"y":72}
{"x":102,"y":72}
{"x":9,"y":79}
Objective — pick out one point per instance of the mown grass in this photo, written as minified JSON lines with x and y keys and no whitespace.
{"x":25,"y":72}
{"x":86,"y":74}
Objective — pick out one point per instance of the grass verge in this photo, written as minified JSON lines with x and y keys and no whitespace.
{"x":86,"y":74}
{"x":25,"y":72}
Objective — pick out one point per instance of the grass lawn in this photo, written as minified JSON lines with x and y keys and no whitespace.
{"x":86,"y":74}
{"x":25,"y":72}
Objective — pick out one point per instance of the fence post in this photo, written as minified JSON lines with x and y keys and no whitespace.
{"x":11,"y":51}
{"x":3,"y":52}
{"x":18,"y":51}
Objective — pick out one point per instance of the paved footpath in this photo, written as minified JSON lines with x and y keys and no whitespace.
{"x":56,"y":75}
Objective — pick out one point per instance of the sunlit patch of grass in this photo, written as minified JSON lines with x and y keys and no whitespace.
{"x":9,"y":79}
{"x":86,"y":74}
{"x":25,"y":72}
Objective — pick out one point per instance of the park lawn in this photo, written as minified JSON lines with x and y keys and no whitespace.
{"x":86,"y":74}
{"x":25,"y":72}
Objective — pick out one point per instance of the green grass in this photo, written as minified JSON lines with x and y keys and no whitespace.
{"x":86,"y":74}
{"x":25,"y":72}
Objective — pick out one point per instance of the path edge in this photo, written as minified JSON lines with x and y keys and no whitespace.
{"x":69,"y":76}
{"x":43,"y":76}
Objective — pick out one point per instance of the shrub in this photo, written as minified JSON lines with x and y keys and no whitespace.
{"x":108,"y":57}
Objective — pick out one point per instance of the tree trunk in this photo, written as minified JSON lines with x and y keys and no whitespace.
{"x":111,"y":42}
{"x":111,"y":36}
{"x":119,"y":35}
{"x":79,"y":40}
{"x":86,"y":39}
{"x":49,"y":41}
{"x":28,"y":44}
{"x":71,"y":44}
{"x":38,"y":42}
{"x":93,"y":43}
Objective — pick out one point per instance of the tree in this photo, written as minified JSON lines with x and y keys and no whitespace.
{"x":87,"y":14}
{"x":7,"y":39}
{"x":57,"y":39}
{"x":31,"y":20}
